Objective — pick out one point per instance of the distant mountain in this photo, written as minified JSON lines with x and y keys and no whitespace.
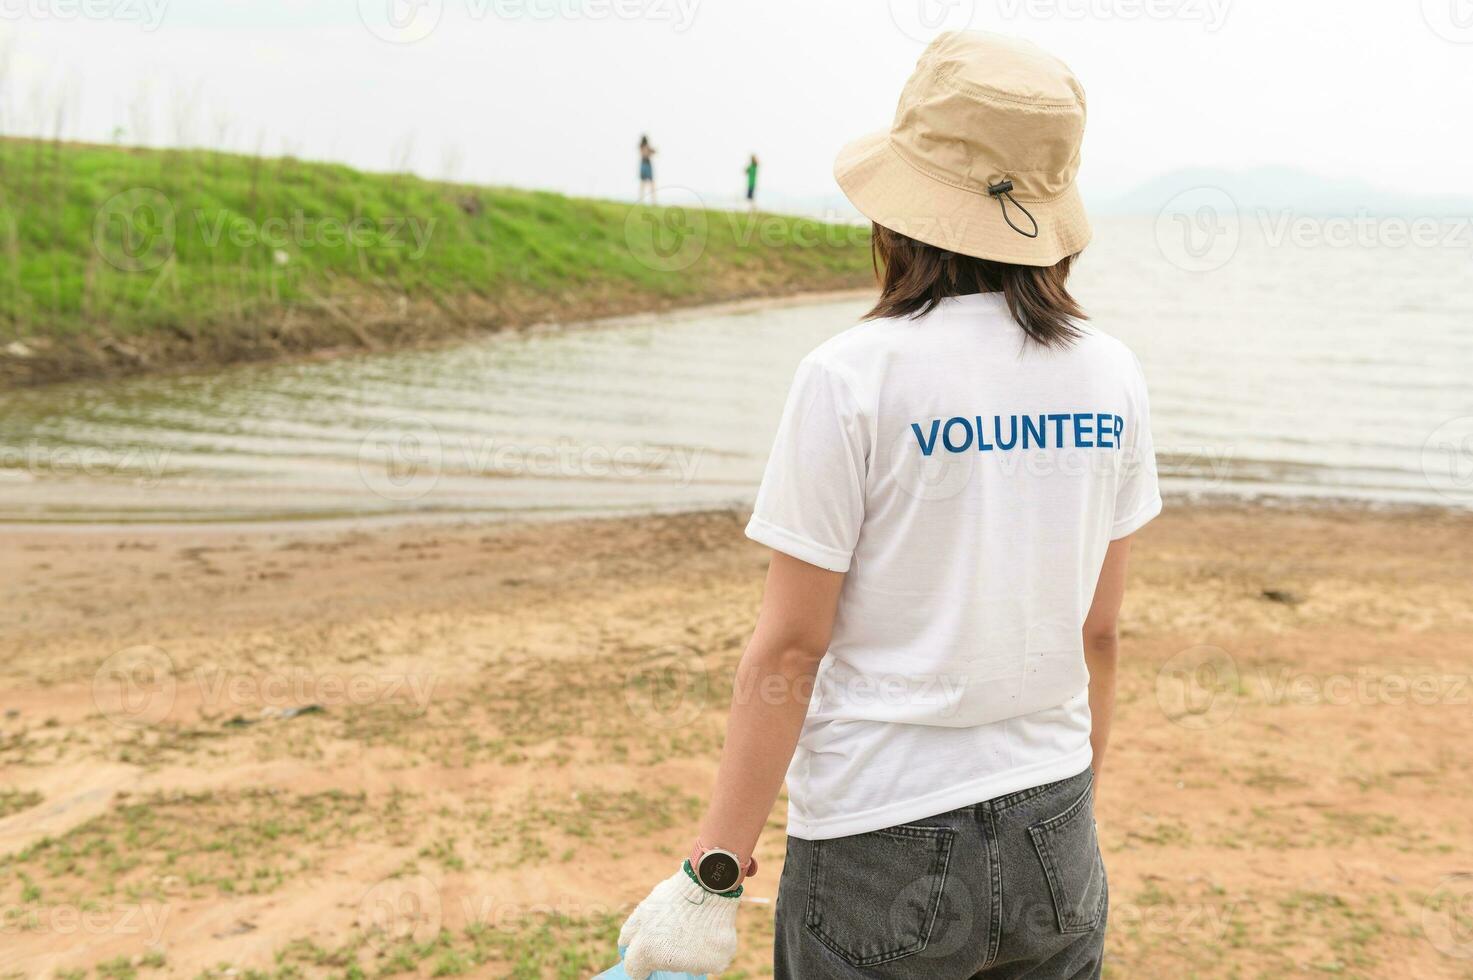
{"x":1283,"y":189}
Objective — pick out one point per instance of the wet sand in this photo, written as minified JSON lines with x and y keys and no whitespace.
{"x":300,"y":749}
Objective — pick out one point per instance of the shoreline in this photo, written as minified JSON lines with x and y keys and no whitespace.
{"x":432,"y":519}
{"x":420,"y":328}
{"x":330,"y":716}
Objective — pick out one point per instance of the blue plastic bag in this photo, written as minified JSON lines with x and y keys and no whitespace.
{"x":616,"y":972}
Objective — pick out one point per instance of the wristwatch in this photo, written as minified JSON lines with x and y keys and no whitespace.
{"x":717,"y":869}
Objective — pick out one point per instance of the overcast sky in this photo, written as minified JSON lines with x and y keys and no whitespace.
{"x":554,"y":93}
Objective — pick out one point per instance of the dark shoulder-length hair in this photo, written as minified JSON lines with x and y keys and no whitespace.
{"x":914,"y":277}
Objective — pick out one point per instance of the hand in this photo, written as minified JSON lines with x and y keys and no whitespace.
{"x":680,"y":927}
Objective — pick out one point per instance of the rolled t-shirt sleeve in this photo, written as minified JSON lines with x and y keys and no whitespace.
{"x":811,"y":502}
{"x":1138,"y":490}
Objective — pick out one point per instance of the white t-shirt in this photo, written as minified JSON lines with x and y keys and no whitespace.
{"x":968,"y":481}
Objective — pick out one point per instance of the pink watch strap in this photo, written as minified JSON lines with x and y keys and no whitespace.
{"x":699,"y":849}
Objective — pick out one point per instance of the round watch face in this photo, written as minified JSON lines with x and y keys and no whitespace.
{"x":718,"y":871}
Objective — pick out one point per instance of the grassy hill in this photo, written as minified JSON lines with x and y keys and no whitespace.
{"x":118,"y":260}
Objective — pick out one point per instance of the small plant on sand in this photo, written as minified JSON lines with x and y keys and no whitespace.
{"x":14,"y":801}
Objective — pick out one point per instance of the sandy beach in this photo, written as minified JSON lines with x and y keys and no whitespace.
{"x":324,"y":752}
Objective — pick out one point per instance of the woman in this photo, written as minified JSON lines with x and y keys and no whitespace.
{"x":950,"y":502}
{"x":752,"y":183}
{"x":646,"y":169}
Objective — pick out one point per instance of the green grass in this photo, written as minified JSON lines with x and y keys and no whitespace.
{"x":118,"y":257}
{"x":14,"y":801}
{"x":568,"y":948}
{"x":162,"y":848}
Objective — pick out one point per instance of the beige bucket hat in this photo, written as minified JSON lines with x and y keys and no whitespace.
{"x":982,"y":156}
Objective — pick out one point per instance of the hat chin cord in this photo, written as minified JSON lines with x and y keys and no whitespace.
{"x":1002,"y":191}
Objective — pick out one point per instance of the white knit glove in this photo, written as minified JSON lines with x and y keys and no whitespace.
{"x":682,"y":928}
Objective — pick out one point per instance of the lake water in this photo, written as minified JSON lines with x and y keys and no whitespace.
{"x":1288,"y":370}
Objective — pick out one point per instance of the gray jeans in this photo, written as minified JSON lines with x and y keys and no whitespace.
{"x":1013,"y":887}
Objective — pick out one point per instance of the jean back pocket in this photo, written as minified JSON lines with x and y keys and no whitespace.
{"x":1070,"y":851}
{"x":873,"y":898}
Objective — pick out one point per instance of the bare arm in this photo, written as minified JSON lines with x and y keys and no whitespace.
{"x":773,"y":685}
{"x":1102,"y":646}
{"x":775,"y":681}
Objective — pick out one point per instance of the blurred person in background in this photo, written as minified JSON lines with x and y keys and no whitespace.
{"x":646,"y":169}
